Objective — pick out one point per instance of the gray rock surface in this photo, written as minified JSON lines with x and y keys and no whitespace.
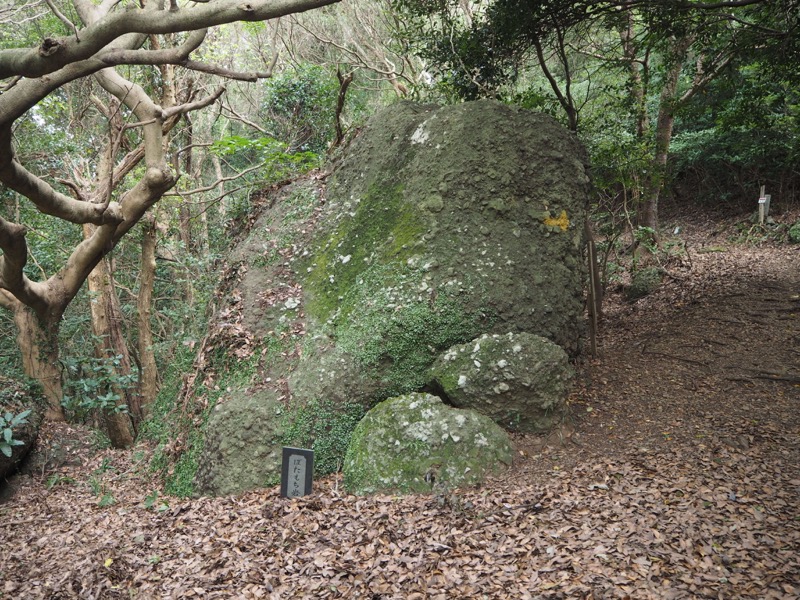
{"x":439,"y":225}
{"x":442,"y":224}
{"x":416,"y":443}
{"x":242,"y":449}
{"x":520,"y":380}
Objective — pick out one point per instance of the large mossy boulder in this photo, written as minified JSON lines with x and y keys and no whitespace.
{"x":439,"y":224}
{"x":520,"y":380}
{"x":415,"y":443}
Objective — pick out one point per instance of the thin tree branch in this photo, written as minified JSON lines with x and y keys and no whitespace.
{"x":237,"y":117}
{"x":208,"y":188}
{"x":182,"y":109}
{"x":62,"y":17}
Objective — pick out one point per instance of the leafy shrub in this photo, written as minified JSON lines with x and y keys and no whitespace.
{"x":794,"y":233}
{"x":326,"y":428}
{"x":300,"y":107}
{"x":7,"y":424}
{"x":95,"y":384}
{"x":644,"y":282}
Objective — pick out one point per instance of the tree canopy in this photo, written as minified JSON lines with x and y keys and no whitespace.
{"x":647,"y":61}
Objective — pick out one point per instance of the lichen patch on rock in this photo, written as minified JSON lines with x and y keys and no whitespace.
{"x":416,"y":443}
{"x":520,"y":380}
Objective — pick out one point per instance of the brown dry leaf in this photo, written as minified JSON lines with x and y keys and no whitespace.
{"x":708,"y":511}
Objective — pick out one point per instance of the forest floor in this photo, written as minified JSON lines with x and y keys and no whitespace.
{"x":677,"y":475}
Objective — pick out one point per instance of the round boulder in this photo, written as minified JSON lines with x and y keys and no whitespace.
{"x":520,"y":380}
{"x":416,"y":443}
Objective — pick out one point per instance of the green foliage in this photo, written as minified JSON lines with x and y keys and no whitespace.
{"x":794,"y":233}
{"x":279,"y":163}
{"x":643,"y":283}
{"x":105,"y":466}
{"x":10,"y":358}
{"x":179,"y":429}
{"x":106,"y":500}
{"x":743,"y":133}
{"x":57,"y":479}
{"x":8,"y":422}
{"x":95,"y":385}
{"x":151,"y":502}
{"x":645,"y":238}
{"x":166,"y":423}
{"x":300,"y":106}
{"x":326,"y":428}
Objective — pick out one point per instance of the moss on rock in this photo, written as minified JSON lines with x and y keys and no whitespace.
{"x":441,"y":224}
{"x":519,"y":380}
{"x":404,"y":438}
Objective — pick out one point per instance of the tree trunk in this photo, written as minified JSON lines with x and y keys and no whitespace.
{"x":654,"y":183}
{"x":344,"y":83}
{"x":635,"y":79}
{"x":667,"y":105}
{"x":223,"y":204}
{"x":148,"y":381}
{"x":110,"y":343}
{"x":38,"y":343}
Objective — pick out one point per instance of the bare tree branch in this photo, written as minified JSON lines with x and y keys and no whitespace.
{"x":48,"y":200}
{"x":227,"y":73}
{"x":182,"y":109}
{"x":55,"y":53}
{"x":237,"y":117}
{"x":211,"y":186}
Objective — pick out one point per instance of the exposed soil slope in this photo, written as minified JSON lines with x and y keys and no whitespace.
{"x":678,"y":476}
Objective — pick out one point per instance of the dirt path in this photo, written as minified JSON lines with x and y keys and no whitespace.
{"x":678,"y":477}
{"x":722,"y":358}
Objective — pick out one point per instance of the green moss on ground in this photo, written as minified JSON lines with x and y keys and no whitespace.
{"x":325,"y":427}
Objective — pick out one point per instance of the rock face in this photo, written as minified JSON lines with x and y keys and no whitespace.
{"x":242,"y":449}
{"x":442,"y":224}
{"x":519,"y":380}
{"x":439,"y":225}
{"x":403,"y":439}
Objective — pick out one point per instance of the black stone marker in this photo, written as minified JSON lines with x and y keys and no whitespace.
{"x":297,"y":472}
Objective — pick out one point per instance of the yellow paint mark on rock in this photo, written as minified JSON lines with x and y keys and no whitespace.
{"x":561,"y":221}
